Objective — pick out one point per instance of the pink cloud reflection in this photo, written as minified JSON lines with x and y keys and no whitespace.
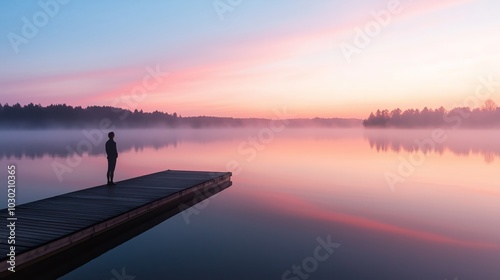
{"x":291,"y":205}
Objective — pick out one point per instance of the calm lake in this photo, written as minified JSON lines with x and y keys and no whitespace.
{"x":304,"y":204}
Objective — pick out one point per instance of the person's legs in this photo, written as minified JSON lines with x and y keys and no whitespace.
{"x":108,"y":172}
{"x":111,"y":169}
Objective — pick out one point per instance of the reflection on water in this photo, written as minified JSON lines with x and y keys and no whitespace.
{"x":441,"y":222}
{"x":63,"y":143}
{"x":459,"y":142}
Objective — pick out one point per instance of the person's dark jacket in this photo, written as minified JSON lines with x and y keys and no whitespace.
{"x":111,"y":149}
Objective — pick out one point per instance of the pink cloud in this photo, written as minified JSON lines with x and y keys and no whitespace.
{"x":67,"y":77}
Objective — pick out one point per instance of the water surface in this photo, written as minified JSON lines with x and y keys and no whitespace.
{"x":291,"y":188}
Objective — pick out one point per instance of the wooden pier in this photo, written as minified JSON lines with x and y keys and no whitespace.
{"x":47,"y":228}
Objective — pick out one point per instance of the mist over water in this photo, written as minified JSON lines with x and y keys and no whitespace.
{"x":290,"y":188}
{"x":62,"y":143}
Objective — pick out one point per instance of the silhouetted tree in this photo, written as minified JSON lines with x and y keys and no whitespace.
{"x":489,"y":106}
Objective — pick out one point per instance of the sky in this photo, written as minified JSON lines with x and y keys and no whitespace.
{"x":242,"y":58}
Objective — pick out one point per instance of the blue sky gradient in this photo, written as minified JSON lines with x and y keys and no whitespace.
{"x":261,"y":56}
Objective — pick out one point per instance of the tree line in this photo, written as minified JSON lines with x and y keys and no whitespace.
{"x":62,"y":115}
{"x":487,"y":115}
{"x":65,"y":116}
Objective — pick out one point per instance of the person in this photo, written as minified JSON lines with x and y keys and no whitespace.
{"x":112,"y":154}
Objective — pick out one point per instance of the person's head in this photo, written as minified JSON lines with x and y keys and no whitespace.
{"x":111,"y":135}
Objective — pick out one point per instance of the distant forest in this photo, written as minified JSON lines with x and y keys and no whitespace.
{"x":486,"y":116}
{"x":65,"y":116}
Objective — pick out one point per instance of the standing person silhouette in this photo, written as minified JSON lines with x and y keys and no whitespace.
{"x":112,"y":156}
